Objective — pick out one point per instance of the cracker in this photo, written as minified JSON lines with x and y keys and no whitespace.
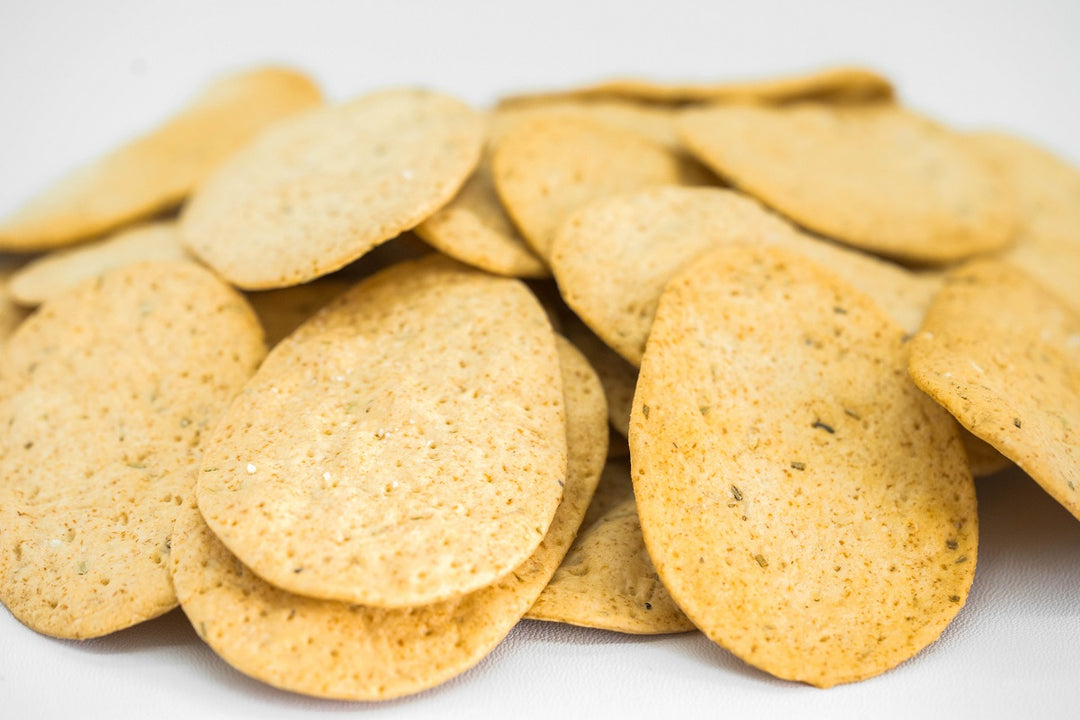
{"x":54,"y":273}
{"x":1003,"y":356}
{"x":617,"y":376}
{"x":10,"y":313}
{"x":652,"y":123}
{"x":340,"y":650}
{"x":836,"y":85}
{"x":319,"y":190}
{"x":93,"y":481}
{"x":607,"y":580}
{"x":158,"y":170}
{"x":404,"y":446}
{"x":878,"y":177}
{"x":805,"y":504}
{"x":983,"y":459}
{"x":283,"y":310}
{"x":613,"y":258}
{"x":549,"y":167}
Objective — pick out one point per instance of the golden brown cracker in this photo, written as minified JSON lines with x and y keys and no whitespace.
{"x":159,"y":169}
{"x":617,"y":376}
{"x":59,"y":270}
{"x":652,"y":123}
{"x":319,"y":190}
{"x":804,"y":503}
{"x":283,"y":310}
{"x":404,"y":446}
{"x":334,"y":649}
{"x":1003,"y":356}
{"x":107,"y":395}
{"x":878,"y":177}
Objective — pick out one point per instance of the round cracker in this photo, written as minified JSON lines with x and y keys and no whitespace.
{"x":319,"y":190}
{"x":10,"y":312}
{"x":617,"y":376}
{"x":283,"y":310}
{"x":878,"y":177}
{"x":339,"y":650}
{"x":547,"y":168}
{"x":1003,"y":356}
{"x":54,"y":273}
{"x":158,"y":170}
{"x":93,"y":481}
{"x":403,"y":447}
{"x":837,"y":85}
{"x":607,"y":581}
{"x":805,"y":504}
{"x":652,"y":123}
{"x":613,"y":258}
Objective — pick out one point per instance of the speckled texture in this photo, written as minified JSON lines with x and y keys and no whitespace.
{"x":837,"y":84}
{"x":613,"y":257}
{"x":319,"y":190}
{"x":878,"y":177}
{"x":1003,"y":355}
{"x":404,"y":446}
{"x":283,"y":310}
{"x":159,"y":169}
{"x":617,"y":376}
{"x":1048,"y":193}
{"x":107,"y":394}
{"x":547,"y":168}
{"x":475,"y":229}
{"x":333,"y":649}
{"x":51,"y":274}
{"x":805,"y":504}
{"x":607,"y":580}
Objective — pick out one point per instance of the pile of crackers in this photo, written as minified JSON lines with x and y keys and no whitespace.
{"x":360,"y":385}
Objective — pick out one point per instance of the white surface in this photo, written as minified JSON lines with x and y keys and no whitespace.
{"x":76,"y":79}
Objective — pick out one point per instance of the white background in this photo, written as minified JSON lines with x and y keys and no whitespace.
{"x":79,"y":77}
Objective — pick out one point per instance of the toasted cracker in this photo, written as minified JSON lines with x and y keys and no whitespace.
{"x":283,"y":310}
{"x":319,"y":190}
{"x":878,"y":177}
{"x":54,"y":273}
{"x":652,"y":123}
{"x":617,"y":376}
{"x":93,"y":481}
{"x":983,"y":458}
{"x":339,"y":650}
{"x":158,"y":170}
{"x":547,"y":168}
{"x":607,"y":580}
{"x":1003,"y":356}
{"x":837,"y":85}
{"x":805,"y":504}
{"x":404,"y":446}
{"x":613,"y":257}
{"x":10,"y":312}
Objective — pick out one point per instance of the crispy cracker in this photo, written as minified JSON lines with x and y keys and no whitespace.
{"x":878,"y":177}
{"x":158,"y":170}
{"x":613,"y":257}
{"x":319,"y":190}
{"x":93,"y":481}
{"x":339,"y":650}
{"x":836,"y":85}
{"x":1003,"y":356}
{"x":283,"y":310}
{"x":404,"y":446}
{"x":607,"y":580}
{"x":10,"y":312}
{"x":547,"y":168}
{"x":652,"y":123}
{"x":54,"y":273}
{"x":805,"y":504}
{"x":617,"y":376}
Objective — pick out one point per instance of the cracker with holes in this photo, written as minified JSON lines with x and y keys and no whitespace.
{"x":404,"y":446}
{"x":1002,"y":355}
{"x":157,"y":171}
{"x":343,"y":650}
{"x":108,"y":394}
{"x":806,"y":506}
{"x":613,"y":257}
{"x":878,"y":177}
{"x":320,"y":190}
{"x":607,"y":580}
{"x":59,"y":270}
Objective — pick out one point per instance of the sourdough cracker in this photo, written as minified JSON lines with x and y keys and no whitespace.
{"x":1003,"y":356}
{"x":93,"y":481}
{"x":878,"y":177}
{"x":320,"y":190}
{"x":806,"y":506}
{"x":158,"y":170}
{"x":404,"y":446}
{"x":339,"y":650}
